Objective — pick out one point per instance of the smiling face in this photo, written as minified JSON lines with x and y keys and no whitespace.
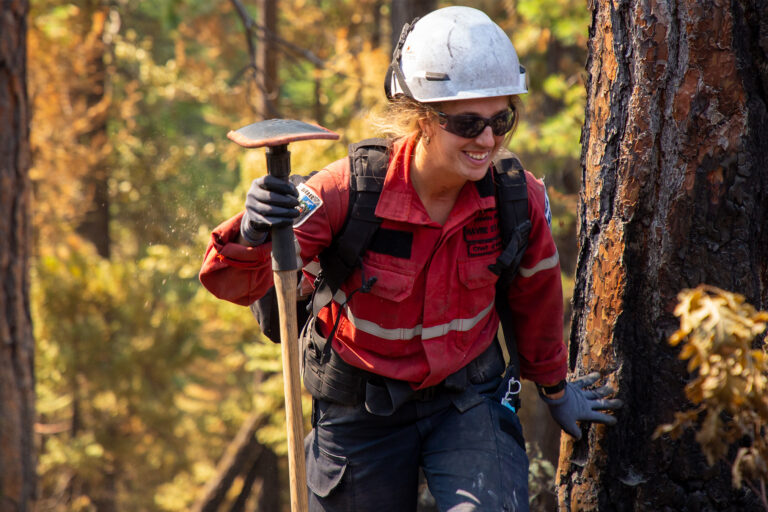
{"x":458,"y":159}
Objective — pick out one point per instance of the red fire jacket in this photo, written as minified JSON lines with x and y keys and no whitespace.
{"x":431,"y":310}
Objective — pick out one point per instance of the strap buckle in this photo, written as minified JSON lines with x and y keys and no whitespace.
{"x":514,"y":387}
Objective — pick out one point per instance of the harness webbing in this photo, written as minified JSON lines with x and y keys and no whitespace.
{"x":368,"y":167}
{"x":327,"y":375}
{"x":515,"y":226}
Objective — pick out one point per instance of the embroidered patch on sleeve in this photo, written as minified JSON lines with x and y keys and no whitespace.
{"x":547,"y":209}
{"x":309,"y":202}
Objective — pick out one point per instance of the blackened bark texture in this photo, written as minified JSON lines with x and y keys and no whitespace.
{"x":17,"y":456}
{"x":404,"y":11}
{"x":675,"y":181}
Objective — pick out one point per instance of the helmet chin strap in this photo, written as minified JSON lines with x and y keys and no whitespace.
{"x":394,"y":66}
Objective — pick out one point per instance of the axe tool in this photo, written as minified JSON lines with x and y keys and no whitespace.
{"x":275,"y":135}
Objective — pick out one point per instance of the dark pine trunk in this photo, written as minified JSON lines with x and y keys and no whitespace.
{"x":674,"y":194}
{"x":17,"y":391}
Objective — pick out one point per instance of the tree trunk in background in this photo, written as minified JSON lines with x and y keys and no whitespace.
{"x":376,"y":23}
{"x":266,"y":60}
{"x":268,"y":473}
{"x":94,"y":226}
{"x":17,"y":392}
{"x":239,"y":459}
{"x":403,"y":11}
{"x":675,"y":152}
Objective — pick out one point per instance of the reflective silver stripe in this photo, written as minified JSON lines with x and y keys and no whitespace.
{"x":460,"y":325}
{"x":402,"y":333}
{"x":545,"y":264}
{"x":313,"y":267}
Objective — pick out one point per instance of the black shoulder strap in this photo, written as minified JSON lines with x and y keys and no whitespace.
{"x":368,"y":162}
{"x":514,"y":227}
{"x":512,"y":205}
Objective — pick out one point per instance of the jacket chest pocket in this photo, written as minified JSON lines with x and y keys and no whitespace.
{"x":394,"y":280}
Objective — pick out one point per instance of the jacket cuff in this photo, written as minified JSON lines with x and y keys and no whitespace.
{"x":223,"y":240}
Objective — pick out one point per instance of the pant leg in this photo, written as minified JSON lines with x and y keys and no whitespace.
{"x":360,"y":462}
{"x":476,"y":461}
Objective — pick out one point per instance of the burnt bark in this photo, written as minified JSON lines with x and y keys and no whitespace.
{"x":17,"y":397}
{"x":674,"y":159}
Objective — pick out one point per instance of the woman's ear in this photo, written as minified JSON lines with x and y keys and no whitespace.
{"x":422,"y":125}
{"x":425,"y":125}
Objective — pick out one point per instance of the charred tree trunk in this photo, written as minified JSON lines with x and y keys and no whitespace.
{"x":675,"y":152}
{"x":403,"y":11}
{"x":17,"y":392}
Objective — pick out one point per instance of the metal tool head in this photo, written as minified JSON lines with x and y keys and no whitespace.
{"x":278,"y":132}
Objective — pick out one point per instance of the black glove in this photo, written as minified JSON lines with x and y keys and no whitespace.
{"x":271,"y":202}
{"x":580,"y":404}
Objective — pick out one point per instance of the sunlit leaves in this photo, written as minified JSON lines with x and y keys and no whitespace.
{"x":717,"y":335}
{"x":568,"y":21}
{"x":154,"y":366}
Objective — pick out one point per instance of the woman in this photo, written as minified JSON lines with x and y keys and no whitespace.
{"x":417,"y":319}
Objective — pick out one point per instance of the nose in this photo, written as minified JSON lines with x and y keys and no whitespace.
{"x":486,"y":138}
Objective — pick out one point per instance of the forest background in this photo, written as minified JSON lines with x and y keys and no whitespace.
{"x":143,"y":378}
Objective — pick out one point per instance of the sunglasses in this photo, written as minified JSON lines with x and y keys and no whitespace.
{"x":470,"y":126}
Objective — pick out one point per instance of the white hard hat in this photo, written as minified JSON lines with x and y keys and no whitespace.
{"x":454,"y":53}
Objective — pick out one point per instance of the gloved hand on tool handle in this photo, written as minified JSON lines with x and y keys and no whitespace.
{"x":580,"y":404}
{"x":271,"y":202}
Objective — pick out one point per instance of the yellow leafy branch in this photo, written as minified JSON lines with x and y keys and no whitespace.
{"x":718,"y":333}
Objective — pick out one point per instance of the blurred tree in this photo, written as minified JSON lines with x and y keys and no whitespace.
{"x":93,"y":94}
{"x":675,"y":151}
{"x":404,"y":11}
{"x":261,"y":38}
{"x":266,"y":61}
{"x":17,"y":395}
{"x":127,"y":373}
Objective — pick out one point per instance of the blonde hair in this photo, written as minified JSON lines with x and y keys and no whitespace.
{"x":402,"y":115}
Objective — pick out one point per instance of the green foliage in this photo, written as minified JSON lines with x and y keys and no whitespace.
{"x":151,"y":373}
{"x":718,"y":330}
{"x":566,"y":20}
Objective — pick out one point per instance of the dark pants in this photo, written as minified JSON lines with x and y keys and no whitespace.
{"x":473,"y":460}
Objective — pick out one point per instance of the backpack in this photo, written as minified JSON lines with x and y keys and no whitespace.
{"x":369,"y":160}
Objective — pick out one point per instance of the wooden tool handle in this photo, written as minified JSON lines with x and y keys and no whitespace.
{"x":285,"y":286}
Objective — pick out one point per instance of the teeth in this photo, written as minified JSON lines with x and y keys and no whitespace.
{"x":477,"y":156}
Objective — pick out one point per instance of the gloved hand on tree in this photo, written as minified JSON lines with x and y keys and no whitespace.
{"x":271,"y":202}
{"x":581,"y":404}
